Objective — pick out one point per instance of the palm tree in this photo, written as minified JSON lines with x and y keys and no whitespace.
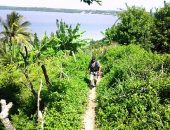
{"x":15,"y":33}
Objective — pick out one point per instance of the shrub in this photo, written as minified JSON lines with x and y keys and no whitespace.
{"x":133,"y":94}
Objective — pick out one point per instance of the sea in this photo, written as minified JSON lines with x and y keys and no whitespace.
{"x":41,"y":22}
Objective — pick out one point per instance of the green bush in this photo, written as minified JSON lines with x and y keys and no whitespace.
{"x":161,"y":33}
{"x":134,"y":93}
{"x":65,"y":103}
{"x":134,"y":25}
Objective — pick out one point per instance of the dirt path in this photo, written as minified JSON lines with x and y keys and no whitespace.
{"x":89,"y":116}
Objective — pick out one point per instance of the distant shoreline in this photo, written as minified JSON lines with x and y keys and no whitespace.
{"x":44,"y":9}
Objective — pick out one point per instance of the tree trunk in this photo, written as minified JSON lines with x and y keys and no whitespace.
{"x":10,"y":48}
{"x":7,"y":124}
{"x":30,"y":85}
{"x":46,"y":76}
{"x":26,"y":71}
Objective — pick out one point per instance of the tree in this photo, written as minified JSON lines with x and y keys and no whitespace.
{"x":110,"y":34}
{"x":15,"y":32}
{"x":69,"y":38}
{"x":161,"y":33}
{"x":91,"y":1}
{"x":134,"y":26}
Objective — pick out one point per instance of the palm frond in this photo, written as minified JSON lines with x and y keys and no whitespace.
{"x":25,"y":24}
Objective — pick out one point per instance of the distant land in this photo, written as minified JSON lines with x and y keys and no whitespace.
{"x":44,"y":9}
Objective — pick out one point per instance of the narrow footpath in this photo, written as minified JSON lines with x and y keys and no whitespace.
{"x":89,"y":117}
{"x":90,"y":114}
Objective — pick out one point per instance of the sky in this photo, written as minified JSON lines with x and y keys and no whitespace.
{"x":76,"y":4}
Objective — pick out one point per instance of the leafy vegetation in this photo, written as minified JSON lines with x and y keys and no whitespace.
{"x":14,"y":35}
{"x":133,"y":94}
{"x":62,"y":105}
{"x":69,"y":39}
{"x":136,"y":26}
{"x":161,"y":32}
{"x":89,"y":2}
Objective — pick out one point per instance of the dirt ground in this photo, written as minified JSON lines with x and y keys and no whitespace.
{"x":89,"y":116}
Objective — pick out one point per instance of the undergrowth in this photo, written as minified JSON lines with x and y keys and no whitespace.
{"x":134,"y":92}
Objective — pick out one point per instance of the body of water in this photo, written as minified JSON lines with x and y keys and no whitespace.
{"x":92,"y":24}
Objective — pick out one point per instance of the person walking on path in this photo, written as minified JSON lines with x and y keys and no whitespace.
{"x":94,"y":67}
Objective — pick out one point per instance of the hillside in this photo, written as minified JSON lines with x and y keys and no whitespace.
{"x":47,"y":80}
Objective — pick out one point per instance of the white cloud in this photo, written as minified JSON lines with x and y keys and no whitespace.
{"x":106,"y":5}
